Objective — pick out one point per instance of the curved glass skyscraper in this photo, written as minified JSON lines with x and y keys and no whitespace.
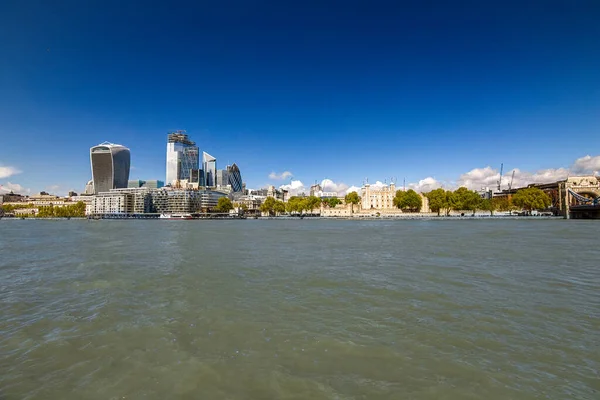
{"x":235,"y":177}
{"x":110,"y":166}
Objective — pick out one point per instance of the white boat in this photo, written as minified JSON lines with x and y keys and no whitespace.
{"x":175,"y":216}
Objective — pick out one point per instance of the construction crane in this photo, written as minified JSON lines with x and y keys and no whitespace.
{"x":511,"y":180}
{"x":500,"y":180}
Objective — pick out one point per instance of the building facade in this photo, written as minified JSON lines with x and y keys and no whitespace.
{"x":151,"y":184}
{"x":230,"y":178}
{"x":110,"y":166}
{"x":381,"y":197}
{"x":235,"y":178}
{"x":111,"y":203}
{"x":209,"y":165}
{"x":378,"y":197}
{"x":271,"y":191}
{"x":182,"y":157}
{"x":89,"y":188}
{"x":153,"y":201}
{"x":11,"y":197}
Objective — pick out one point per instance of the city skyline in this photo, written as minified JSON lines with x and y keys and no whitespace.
{"x":436,"y":95}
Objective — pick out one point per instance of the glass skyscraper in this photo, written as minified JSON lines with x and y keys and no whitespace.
{"x":209,"y":164}
{"x":182,"y":157}
{"x":235,"y":177}
{"x":230,"y":176}
{"x":110,"y":166}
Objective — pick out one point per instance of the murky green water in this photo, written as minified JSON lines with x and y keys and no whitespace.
{"x":309,"y":309}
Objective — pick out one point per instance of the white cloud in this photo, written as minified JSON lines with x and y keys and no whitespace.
{"x":13,"y":187}
{"x":330,"y":186}
{"x":488,"y":177}
{"x":543,"y":176}
{"x":587,"y":165}
{"x":352,"y":189}
{"x":7,"y":172}
{"x":377,"y":184}
{"x":280,"y":177}
{"x":294,"y":188}
{"x":478,"y":178}
{"x":425,"y":185}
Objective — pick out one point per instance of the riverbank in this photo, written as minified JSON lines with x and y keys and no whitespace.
{"x":356,"y":217}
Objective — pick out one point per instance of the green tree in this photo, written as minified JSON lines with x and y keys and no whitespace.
{"x":312,"y":202}
{"x":487,"y":205}
{"x":353,"y":199}
{"x":439,"y":201}
{"x":334,"y":201}
{"x":224,"y":205}
{"x":298,"y":204}
{"x":502,"y":204}
{"x":408,"y":201}
{"x":398,"y":199}
{"x":79,"y":209}
{"x":464,"y":199}
{"x":268,"y":206}
{"x":292,"y":205}
{"x":279,"y":207}
{"x":531,"y":199}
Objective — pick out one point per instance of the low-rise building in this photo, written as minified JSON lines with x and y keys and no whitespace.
{"x":341,"y":210}
{"x":20,"y":212}
{"x":249,"y":203}
{"x":271,"y":191}
{"x":153,"y":201}
{"x":381,"y":197}
{"x":48,"y":200}
{"x":111,"y":203}
{"x":11,"y":198}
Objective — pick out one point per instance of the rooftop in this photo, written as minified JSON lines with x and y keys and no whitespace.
{"x":179,"y":137}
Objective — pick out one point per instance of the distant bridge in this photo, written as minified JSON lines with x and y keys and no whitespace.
{"x":581,"y":197}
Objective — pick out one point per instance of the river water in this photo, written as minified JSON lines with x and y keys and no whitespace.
{"x":300,"y":309}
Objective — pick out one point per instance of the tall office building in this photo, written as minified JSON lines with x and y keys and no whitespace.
{"x":230,"y":176}
{"x":110,"y":166}
{"x":182,"y":157}
{"x":235,"y":178}
{"x":209,"y":164}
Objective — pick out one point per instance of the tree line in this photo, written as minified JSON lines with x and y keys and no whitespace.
{"x":76,"y":210}
{"x":300,"y":204}
{"x":440,"y":201}
{"x":9,"y":208}
{"x":463,"y":199}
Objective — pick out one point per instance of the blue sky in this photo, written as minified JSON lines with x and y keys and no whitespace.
{"x":340,"y":90}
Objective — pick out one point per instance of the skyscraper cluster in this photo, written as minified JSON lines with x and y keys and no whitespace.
{"x":184,"y":168}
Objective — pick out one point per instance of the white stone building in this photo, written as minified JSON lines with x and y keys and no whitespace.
{"x":381,"y":197}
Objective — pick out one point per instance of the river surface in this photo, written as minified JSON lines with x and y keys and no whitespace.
{"x":300,"y":309}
